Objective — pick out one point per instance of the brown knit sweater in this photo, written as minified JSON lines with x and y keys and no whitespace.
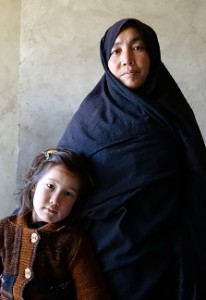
{"x":51,"y":262}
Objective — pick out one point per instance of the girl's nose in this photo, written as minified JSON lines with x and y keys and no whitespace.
{"x":54,"y":200}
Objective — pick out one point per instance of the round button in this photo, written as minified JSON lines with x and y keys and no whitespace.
{"x":34,"y":237}
{"x":27,"y":273}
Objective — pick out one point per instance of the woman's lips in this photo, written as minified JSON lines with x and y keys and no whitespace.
{"x":129,"y":72}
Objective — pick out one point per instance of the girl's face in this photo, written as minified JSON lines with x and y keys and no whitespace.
{"x":55,"y":195}
{"x":129,"y":61}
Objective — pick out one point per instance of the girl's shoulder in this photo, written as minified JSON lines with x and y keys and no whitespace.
{"x":7,"y":228}
{"x":76,"y":232}
{"x":7,"y":220}
{"x":78,"y":237}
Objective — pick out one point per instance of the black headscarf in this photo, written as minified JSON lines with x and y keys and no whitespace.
{"x":149,"y":210}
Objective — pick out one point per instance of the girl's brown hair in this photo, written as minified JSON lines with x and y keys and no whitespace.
{"x":43,"y":162}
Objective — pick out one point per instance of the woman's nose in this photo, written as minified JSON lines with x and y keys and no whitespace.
{"x":127,"y":58}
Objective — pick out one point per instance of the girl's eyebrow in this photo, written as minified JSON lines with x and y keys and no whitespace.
{"x":73,"y":189}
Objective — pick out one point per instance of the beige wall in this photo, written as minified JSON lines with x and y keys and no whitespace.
{"x":9,"y":69}
{"x":59,"y":64}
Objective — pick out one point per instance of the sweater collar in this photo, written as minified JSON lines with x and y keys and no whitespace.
{"x":23,"y":221}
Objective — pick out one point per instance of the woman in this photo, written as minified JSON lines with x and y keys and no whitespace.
{"x":147,"y":218}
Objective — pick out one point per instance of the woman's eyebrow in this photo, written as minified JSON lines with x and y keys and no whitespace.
{"x":133,"y":40}
{"x":136,"y":39}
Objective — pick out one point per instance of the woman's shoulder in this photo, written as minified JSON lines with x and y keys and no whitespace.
{"x":92,"y":99}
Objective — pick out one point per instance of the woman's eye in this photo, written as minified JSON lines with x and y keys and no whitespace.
{"x":138,"y":48}
{"x":115,"y":51}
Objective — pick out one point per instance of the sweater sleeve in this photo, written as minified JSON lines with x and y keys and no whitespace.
{"x":88,"y":279}
{"x":1,"y":265}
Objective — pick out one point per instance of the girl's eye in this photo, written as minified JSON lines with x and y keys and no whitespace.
{"x":50,"y":186}
{"x":69,"y":194}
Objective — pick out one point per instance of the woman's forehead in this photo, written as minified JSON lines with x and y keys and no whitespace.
{"x":114,"y":31}
{"x":129,"y":32}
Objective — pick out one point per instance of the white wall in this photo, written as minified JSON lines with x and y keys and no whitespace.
{"x":59,"y":61}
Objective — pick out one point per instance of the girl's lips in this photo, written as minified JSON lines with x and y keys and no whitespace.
{"x":51,"y":210}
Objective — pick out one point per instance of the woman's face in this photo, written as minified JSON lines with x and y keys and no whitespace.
{"x":129,"y":61}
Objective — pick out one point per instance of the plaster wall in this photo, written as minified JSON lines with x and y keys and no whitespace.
{"x":9,"y":68}
{"x":60,"y":64}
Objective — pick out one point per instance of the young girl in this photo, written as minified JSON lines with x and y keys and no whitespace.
{"x":43,"y":253}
